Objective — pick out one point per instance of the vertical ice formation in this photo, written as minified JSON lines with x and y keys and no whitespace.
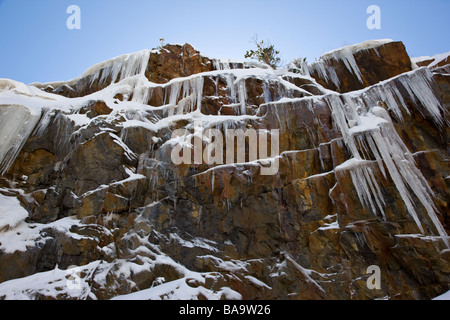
{"x":325,"y":70}
{"x":320,"y":68}
{"x":236,"y":91}
{"x":227,"y":64}
{"x":129,"y":66}
{"x":221,"y":64}
{"x":416,"y":86}
{"x":124,"y":66}
{"x":368,"y":129}
{"x":185,"y":96}
{"x":16,"y":125}
{"x":345,"y":55}
{"x":273,"y":87}
{"x":242,"y":94}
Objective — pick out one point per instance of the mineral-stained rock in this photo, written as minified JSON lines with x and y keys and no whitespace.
{"x":97,"y":108}
{"x":96,"y":162}
{"x":174,"y":61}
{"x":362,"y":180}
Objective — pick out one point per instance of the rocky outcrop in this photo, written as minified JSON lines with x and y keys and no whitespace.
{"x":362,"y":181}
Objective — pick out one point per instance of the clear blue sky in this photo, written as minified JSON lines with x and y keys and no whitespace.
{"x":37,"y":46}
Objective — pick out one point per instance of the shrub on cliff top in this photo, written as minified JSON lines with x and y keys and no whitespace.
{"x":265,"y":52}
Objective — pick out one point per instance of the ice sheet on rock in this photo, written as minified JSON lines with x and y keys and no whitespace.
{"x":184,"y":95}
{"x":179,"y":289}
{"x":26,"y":110}
{"x":257,"y":282}
{"x":306,"y":272}
{"x":125,"y":65}
{"x":16,"y":125}
{"x":15,"y":92}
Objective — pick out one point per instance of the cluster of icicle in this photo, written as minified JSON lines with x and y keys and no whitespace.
{"x":324,"y":69}
{"x":126,"y":74}
{"x":228,"y":64}
{"x":119,"y":68}
{"x":184,"y":95}
{"x":368,"y":128}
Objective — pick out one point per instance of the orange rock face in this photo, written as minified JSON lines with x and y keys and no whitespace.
{"x":102,"y":192}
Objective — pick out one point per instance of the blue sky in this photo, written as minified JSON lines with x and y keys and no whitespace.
{"x":36,"y":45}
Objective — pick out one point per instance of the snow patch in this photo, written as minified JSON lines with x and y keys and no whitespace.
{"x":11,"y":213}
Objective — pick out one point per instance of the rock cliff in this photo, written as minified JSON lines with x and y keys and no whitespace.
{"x":92,"y":205}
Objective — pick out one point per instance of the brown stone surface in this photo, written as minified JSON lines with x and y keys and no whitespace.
{"x":140,"y":221}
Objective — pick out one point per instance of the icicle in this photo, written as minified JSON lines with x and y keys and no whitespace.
{"x":142,"y":92}
{"x":190,"y":98}
{"x":266,"y":91}
{"x":321,"y":69}
{"x":198,"y":91}
{"x":220,"y":64}
{"x":174,"y":94}
{"x":346,"y":55}
{"x":43,"y":122}
{"x":419,"y":86}
{"x":230,"y":87}
{"x":242,"y":95}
